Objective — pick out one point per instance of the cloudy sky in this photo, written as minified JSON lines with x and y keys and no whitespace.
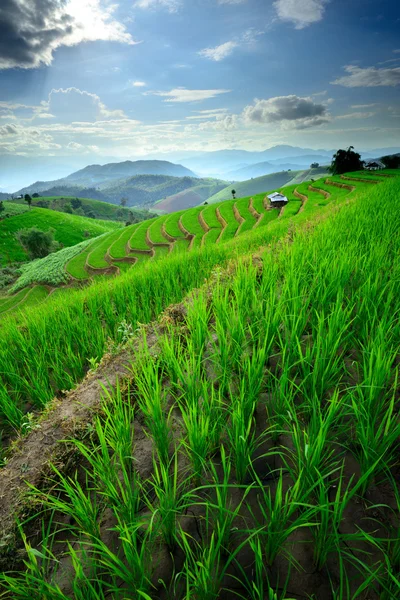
{"x":126,"y":78}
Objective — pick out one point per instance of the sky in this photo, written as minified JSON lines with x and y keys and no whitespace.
{"x":103,"y":79}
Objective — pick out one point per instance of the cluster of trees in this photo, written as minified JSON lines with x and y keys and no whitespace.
{"x":392,"y":161}
{"x":37,"y":243}
{"x":346,"y":160}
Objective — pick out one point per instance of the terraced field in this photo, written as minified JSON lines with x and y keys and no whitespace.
{"x":206,"y":225}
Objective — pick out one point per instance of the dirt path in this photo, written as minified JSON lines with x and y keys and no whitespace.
{"x":351,"y":188}
{"x":324,"y":193}
{"x":238,"y":218}
{"x":258,"y":216}
{"x":303,"y":198}
{"x":346,"y":178}
{"x":224,"y":224}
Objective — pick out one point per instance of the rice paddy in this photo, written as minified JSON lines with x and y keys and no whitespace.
{"x":242,"y":444}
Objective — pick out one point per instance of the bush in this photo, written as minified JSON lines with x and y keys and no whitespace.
{"x":37,"y":243}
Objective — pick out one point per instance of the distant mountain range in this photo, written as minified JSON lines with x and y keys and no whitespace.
{"x":232,"y":164}
{"x":141,"y":183}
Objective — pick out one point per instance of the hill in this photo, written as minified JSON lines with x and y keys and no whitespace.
{"x":95,"y":209}
{"x":94,"y":176}
{"x":141,"y":190}
{"x":190,"y":197}
{"x":266,"y":182}
{"x":68,"y":230}
{"x":185,"y":230}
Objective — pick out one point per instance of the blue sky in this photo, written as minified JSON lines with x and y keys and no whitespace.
{"x":148,"y":77}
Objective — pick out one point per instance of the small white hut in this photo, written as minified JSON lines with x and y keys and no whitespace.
{"x":277,"y":198}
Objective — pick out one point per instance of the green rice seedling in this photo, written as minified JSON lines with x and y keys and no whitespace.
{"x":242,"y":441}
{"x":167,"y":499}
{"x":258,"y":586}
{"x":313,"y":445}
{"x":39,"y":564}
{"x":281,"y":516}
{"x":220,"y":514}
{"x":127,"y":572}
{"x":72,"y":499}
{"x":197,"y":320}
{"x":151,"y":398}
{"x":204,"y":569}
{"x":377,"y":442}
{"x":202,"y":433}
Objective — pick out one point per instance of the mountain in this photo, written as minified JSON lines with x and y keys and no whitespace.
{"x":139,"y":190}
{"x":251,"y":171}
{"x":95,"y":174}
{"x":190,"y":197}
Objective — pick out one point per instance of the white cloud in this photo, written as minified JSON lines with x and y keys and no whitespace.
{"x":289,"y":111}
{"x":183,"y":95}
{"x":139,"y":84}
{"x":32,"y":31}
{"x":300,"y":12}
{"x":231,"y":1}
{"x":397,"y":51}
{"x":363,"y":105}
{"x":356,"y":115}
{"x":68,"y":105}
{"x":219,"y":52}
{"x":170,"y":5}
{"x":368,"y":77}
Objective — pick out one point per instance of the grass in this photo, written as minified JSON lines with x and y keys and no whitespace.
{"x":190,"y":220}
{"x":96,"y":257}
{"x":243,"y":209}
{"x":69,"y":230}
{"x":226,"y":210}
{"x":12,"y":208}
{"x":138,"y":238}
{"x":155,"y":232}
{"x":171,"y":224}
{"x":49,"y":270}
{"x":252,"y":449}
{"x":118,"y":249}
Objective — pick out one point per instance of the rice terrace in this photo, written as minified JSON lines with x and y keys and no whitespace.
{"x":199,"y":300}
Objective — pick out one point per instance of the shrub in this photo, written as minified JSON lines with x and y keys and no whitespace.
{"x":37,"y":243}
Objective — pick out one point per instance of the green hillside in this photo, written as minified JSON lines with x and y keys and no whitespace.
{"x":92,"y":208}
{"x":219,"y":423}
{"x":266,"y":182}
{"x":68,"y":230}
{"x":128,"y":248}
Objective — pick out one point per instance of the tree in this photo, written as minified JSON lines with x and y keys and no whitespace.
{"x":35,"y":195}
{"x":76,"y":203}
{"x":28,"y":199}
{"x":391,"y":161}
{"x":123,"y":201}
{"x":68,"y":208}
{"x":36,"y":242}
{"x":2,"y":209}
{"x":346,"y":160}
{"x":314,"y":165}
{"x":233,"y":194}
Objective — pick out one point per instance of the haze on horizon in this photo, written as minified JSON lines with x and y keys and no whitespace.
{"x":89,"y":81}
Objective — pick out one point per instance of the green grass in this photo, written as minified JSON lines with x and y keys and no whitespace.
{"x":268,"y":420}
{"x":243,"y":208}
{"x":96,"y":258}
{"x":138,"y":239}
{"x":210,"y":217}
{"x":155,"y":233}
{"x":12,"y":208}
{"x":226,"y":210}
{"x":118,"y":249}
{"x":171,"y":224}
{"x":50,"y":270}
{"x":69,"y":230}
{"x":6,"y":302}
{"x":258,"y":202}
{"x":190,"y":220}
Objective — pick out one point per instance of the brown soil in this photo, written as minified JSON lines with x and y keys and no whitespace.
{"x":239,"y":219}
{"x":358,"y":179}
{"x":324,"y":193}
{"x":224,"y":224}
{"x":351,"y":188}
{"x":258,"y":216}
{"x":303,"y":199}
